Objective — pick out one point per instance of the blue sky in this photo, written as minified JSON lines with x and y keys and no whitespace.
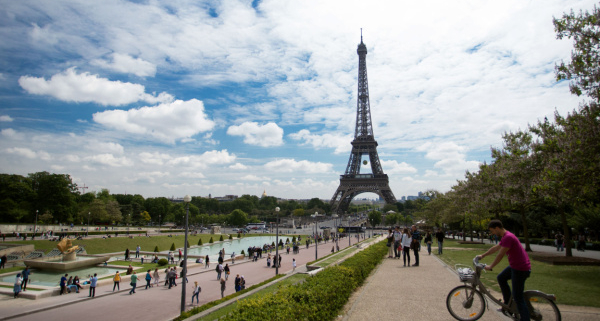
{"x":167,"y":98}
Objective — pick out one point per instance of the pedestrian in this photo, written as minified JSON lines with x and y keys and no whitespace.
{"x":397,"y":240}
{"x":133,"y":283}
{"x":294,"y":264}
{"x":17,"y":285}
{"x":559,"y":242}
{"x":126,"y":254}
{"x":233,"y":258}
{"x":117,"y":281}
{"x":25,"y":275}
{"x":196,"y":292}
{"x":180,"y":254}
{"x":269,"y":261}
{"x":440,"y":235}
{"x":226,"y":269}
{"x":156,"y":277}
{"x":428,"y":242}
{"x":390,"y":243}
{"x":148,"y":279}
{"x":406,"y":242}
{"x":242,"y":283}
{"x":255,"y":256}
{"x":416,"y":244}
{"x":93,"y":282}
{"x":63,"y":284}
{"x":237,"y":283}
{"x":223,"y":286}
{"x":219,"y":270}
{"x":167,"y":270}
{"x":207,"y":260}
{"x":3,"y":261}
{"x":137,"y":252}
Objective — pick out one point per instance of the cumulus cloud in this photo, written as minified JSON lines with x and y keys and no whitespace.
{"x":84,"y":88}
{"x":28,"y":153}
{"x":449,"y":157}
{"x":110,"y":160}
{"x":288,"y":165}
{"x":339,"y":143}
{"x":6,"y":118}
{"x":267,"y":135}
{"x":393,"y":167}
{"x":126,"y":64}
{"x":167,"y":122}
{"x":239,"y":166}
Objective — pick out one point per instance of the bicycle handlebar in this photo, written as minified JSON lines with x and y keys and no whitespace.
{"x":477,"y":264}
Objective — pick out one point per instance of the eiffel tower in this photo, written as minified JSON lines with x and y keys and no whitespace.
{"x":353,"y":182}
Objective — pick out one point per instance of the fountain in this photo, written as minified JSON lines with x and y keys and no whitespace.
{"x":69,"y":260}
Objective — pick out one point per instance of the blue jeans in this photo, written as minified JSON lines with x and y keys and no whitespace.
{"x":440,"y":246}
{"x":195,"y":295}
{"x":396,"y":252}
{"x":133,"y":285}
{"x":518,"y":286}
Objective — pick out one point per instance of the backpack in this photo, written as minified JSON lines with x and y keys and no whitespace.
{"x":217,"y":268}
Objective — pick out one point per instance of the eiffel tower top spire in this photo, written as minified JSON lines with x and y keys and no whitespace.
{"x":364,"y":127}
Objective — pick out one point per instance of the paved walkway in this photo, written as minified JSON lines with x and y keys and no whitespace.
{"x":395,"y":292}
{"x":152,"y":304}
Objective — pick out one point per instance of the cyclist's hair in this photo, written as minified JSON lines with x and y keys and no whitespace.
{"x":495,"y":223}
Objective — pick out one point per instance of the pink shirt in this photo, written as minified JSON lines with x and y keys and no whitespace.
{"x":517,"y":257}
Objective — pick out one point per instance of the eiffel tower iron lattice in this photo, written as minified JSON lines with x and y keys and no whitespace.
{"x":353,"y":182}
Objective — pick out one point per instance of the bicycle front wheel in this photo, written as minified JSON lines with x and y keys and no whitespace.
{"x":465,"y":303}
{"x":541,"y":308}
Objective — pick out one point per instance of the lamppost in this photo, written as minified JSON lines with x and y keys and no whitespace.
{"x":88,"y":228}
{"x":159,"y":224}
{"x":316,"y":236}
{"x":277,"y":243}
{"x":128,"y":222}
{"x":186,"y":200}
{"x":35,"y":225}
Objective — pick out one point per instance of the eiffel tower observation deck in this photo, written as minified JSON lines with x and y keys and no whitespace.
{"x":353,"y":183}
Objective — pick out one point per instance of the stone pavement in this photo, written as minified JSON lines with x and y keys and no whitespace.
{"x":394,"y":292}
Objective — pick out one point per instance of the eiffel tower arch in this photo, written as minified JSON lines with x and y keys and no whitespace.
{"x":353,"y":183}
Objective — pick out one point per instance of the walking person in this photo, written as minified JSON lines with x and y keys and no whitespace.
{"x":137,"y":252}
{"x":226,"y":269}
{"x":236,"y":283}
{"x":25,"y":275}
{"x":219,"y":270}
{"x":207,"y":260}
{"x":233,"y":258}
{"x":93,"y":282}
{"x":440,"y":235}
{"x":126,"y":254}
{"x":63,"y":284}
{"x":3,"y":260}
{"x":148,"y":279}
{"x":518,"y":270}
{"x":17,"y":285}
{"x":294,"y":264}
{"x":133,"y":283}
{"x":156,"y":277}
{"x":223,"y":286}
{"x":405,"y":243}
{"x":416,"y":244}
{"x":559,"y":242}
{"x":117,"y":281}
{"x":397,"y":241}
{"x":390,"y":244}
{"x":196,"y":292}
{"x":242,"y":283}
{"x":428,"y":242}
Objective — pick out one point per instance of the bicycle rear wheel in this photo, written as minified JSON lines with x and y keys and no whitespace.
{"x":541,"y":308}
{"x":465,"y":303}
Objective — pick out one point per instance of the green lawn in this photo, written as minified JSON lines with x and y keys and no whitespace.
{"x":572,"y":285}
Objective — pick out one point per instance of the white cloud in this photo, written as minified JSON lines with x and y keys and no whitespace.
{"x":450,"y":157}
{"x":340,"y":143}
{"x":110,"y":160}
{"x":5,"y":118}
{"x":251,"y":177}
{"x":9,"y":132}
{"x":290,"y":165}
{"x":393,"y":167}
{"x":267,"y":135}
{"x":238,"y":166}
{"x":126,"y":64}
{"x":203,"y":161}
{"x":28,"y":153}
{"x":84,"y":87}
{"x":167,"y":122}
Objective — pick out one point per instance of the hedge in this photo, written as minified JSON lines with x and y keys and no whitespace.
{"x":320,"y":297}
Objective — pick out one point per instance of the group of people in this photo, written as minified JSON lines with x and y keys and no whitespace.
{"x":402,"y":242}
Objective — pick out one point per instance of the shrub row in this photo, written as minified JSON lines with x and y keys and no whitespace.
{"x":588,"y":245}
{"x":320,"y":297}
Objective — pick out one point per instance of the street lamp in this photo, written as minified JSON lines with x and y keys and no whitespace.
{"x":316,"y":236}
{"x":88,"y":228}
{"x":186,"y":200}
{"x":128,"y":222}
{"x":35,"y":225}
{"x":277,"y":243}
{"x":159,"y":224}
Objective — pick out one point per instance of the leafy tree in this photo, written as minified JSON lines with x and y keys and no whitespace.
{"x":391,"y":219}
{"x":221,"y":238}
{"x":200,"y":241}
{"x":54,"y":193}
{"x":584,"y":68}
{"x":172,"y":247}
{"x":238,"y":218}
{"x":374,"y":218}
{"x":390,"y":207}
{"x":298,"y":212}
{"x":156,"y":249}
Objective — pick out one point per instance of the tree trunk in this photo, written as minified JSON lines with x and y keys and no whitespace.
{"x":567,"y":231}
{"x":525,"y":231}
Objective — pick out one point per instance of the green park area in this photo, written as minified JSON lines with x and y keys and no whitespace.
{"x":572,"y":285}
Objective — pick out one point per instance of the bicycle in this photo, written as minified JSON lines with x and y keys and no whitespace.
{"x":467,"y":302}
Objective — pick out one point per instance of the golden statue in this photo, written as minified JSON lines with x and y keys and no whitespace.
{"x":66,"y":246}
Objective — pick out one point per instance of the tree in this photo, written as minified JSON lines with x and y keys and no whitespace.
{"x":391,"y":219}
{"x":238,"y":218}
{"x":584,"y":68}
{"x":374,"y":218}
{"x":55,"y":193}
{"x":298,"y":212}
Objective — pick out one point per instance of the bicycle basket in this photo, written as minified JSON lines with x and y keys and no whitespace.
{"x":465,"y":273}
